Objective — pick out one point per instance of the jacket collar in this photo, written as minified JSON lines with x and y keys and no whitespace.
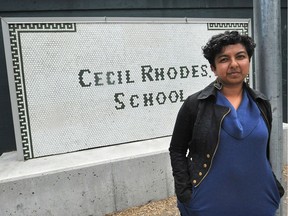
{"x":210,"y":91}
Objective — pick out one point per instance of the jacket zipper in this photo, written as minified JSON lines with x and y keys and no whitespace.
{"x":215,"y":149}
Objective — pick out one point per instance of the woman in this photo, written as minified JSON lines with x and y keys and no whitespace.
{"x":220,"y":142}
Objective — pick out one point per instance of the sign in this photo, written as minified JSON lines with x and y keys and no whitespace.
{"x":82,"y":83}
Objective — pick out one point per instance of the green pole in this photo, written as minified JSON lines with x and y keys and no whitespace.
{"x":268,"y":71}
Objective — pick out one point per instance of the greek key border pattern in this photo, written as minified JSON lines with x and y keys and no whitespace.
{"x":241,"y":27}
{"x":14,"y":31}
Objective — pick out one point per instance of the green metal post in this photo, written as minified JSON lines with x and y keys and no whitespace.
{"x":268,"y":71}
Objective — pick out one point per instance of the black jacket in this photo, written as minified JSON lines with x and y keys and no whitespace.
{"x":197,"y":130}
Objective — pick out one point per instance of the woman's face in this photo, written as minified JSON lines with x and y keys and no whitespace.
{"x":232,"y":64}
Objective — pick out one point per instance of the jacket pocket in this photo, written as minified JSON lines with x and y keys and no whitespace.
{"x":279,"y":187}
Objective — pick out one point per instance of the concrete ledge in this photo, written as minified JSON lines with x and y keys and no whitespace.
{"x":284,"y":204}
{"x":92,"y":182}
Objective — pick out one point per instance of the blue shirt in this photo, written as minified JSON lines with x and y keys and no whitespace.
{"x":240,"y":181}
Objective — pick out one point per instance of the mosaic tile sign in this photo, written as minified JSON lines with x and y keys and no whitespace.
{"x":84,"y":83}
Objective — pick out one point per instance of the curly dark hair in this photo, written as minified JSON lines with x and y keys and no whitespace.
{"x":217,"y":42}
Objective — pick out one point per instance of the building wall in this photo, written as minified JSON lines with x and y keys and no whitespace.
{"x":120,"y":8}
